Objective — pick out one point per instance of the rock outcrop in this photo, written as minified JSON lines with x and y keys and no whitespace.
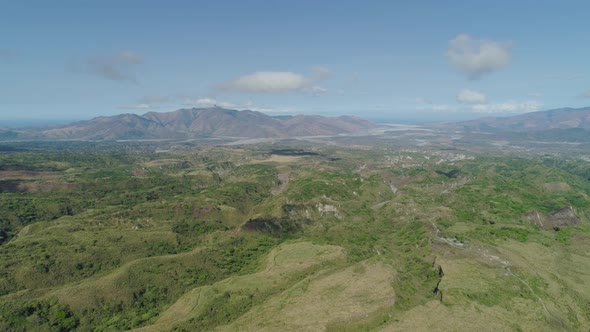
{"x":563,"y":217}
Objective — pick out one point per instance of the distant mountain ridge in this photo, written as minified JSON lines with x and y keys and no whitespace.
{"x":563,"y":124}
{"x":551,"y":120}
{"x":197,"y":122}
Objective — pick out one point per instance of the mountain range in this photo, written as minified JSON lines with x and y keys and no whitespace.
{"x":196,"y":122}
{"x":551,"y":120}
{"x":562,"y":123}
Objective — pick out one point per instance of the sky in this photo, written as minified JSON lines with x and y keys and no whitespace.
{"x":381,"y":60}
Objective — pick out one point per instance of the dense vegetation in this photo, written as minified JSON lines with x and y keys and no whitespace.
{"x":114,"y":236}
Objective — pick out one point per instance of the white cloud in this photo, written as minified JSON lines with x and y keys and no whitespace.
{"x":267,"y":81}
{"x":278,"y":82}
{"x":206,"y":103}
{"x":535,"y":94}
{"x":476,"y":58}
{"x":508,"y":107}
{"x":466,"y":96}
{"x":248,"y":105}
{"x":316,"y":90}
{"x":320,"y":73}
{"x":151,"y":102}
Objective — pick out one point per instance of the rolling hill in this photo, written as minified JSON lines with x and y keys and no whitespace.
{"x":143,"y":236}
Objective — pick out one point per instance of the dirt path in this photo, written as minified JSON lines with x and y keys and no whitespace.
{"x":283,"y":181}
{"x":531,"y":289}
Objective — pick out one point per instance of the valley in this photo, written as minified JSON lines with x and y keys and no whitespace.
{"x":329,"y":166}
{"x":362,"y":232}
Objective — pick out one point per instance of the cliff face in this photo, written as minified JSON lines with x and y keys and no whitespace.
{"x":563,"y":217}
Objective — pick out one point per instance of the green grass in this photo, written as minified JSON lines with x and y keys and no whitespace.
{"x":119,"y":237}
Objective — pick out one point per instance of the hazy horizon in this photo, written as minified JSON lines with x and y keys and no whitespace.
{"x":16,"y":122}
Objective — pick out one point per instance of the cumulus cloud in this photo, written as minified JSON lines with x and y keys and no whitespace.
{"x":316,"y":90}
{"x":320,"y":73}
{"x":117,"y":67}
{"x":278,"y":82}
{"x":267,"y":81}
{"x":475,"y":57}
{"x":152,"y":102}
{"x":508,"y":107}
{"x":466,"y":96}
{"x":206,"y":102}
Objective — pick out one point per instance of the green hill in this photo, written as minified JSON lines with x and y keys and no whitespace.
{"x":105,"y":236}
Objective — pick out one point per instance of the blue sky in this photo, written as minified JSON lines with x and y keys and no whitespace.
{"x":396,"y":60}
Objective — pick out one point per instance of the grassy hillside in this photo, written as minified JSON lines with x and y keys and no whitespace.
{"x":155,"y":236}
